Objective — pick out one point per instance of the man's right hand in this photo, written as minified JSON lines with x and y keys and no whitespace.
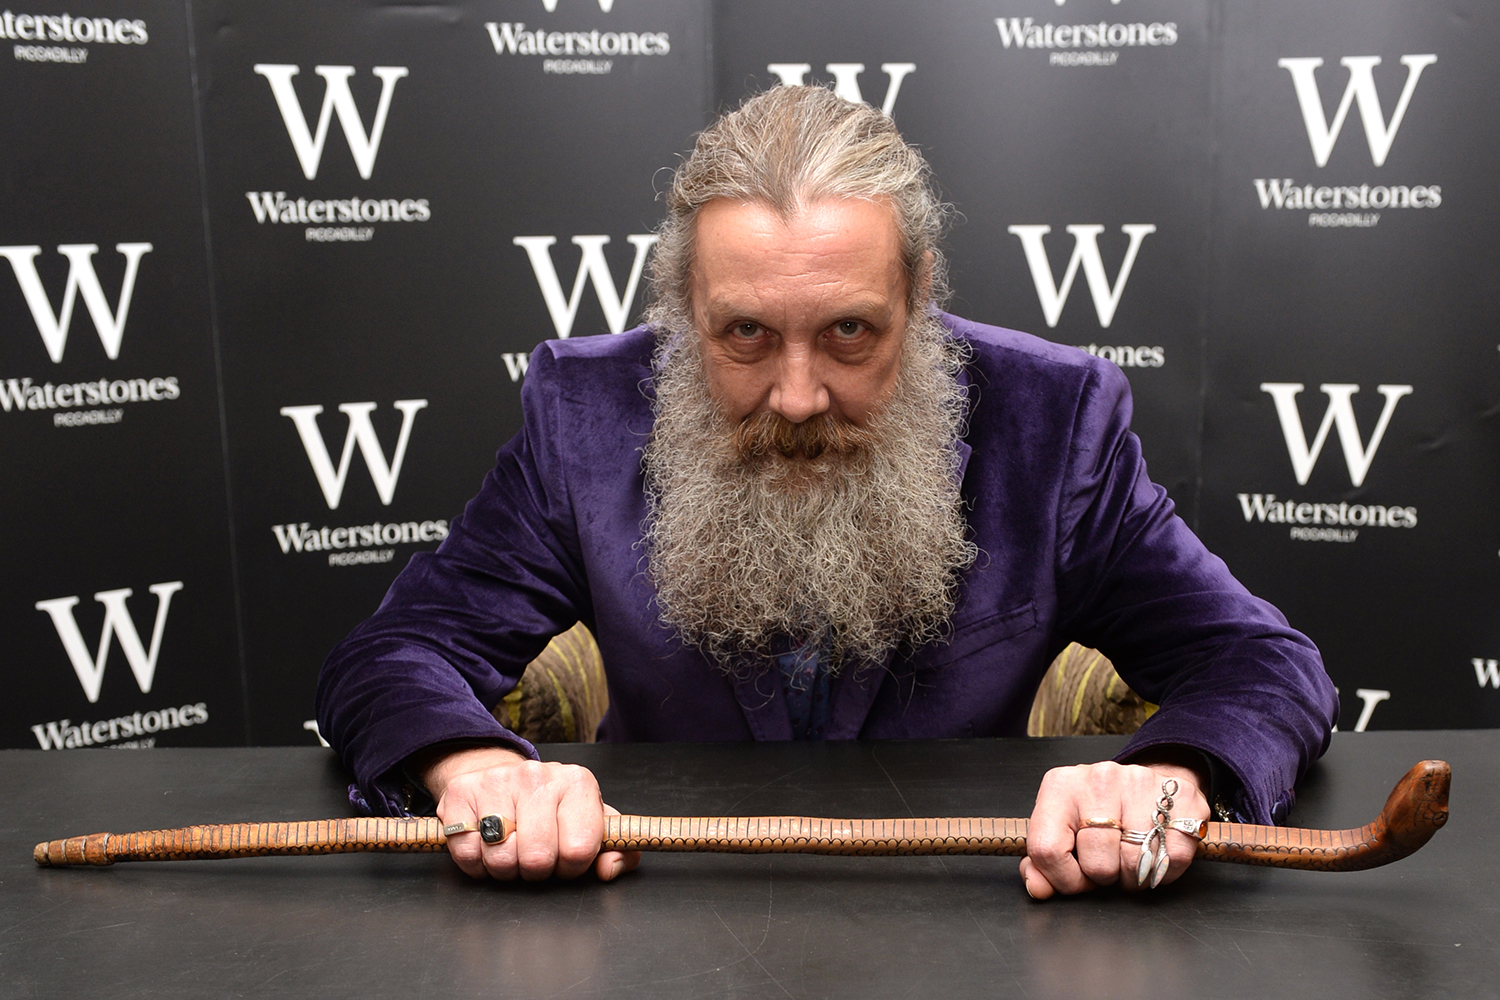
{"x":557,"y":809}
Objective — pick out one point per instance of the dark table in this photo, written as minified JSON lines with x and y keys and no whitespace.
{"x":704,"y":925}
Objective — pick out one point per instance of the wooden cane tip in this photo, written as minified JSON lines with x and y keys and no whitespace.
{"x":1425,"y":788}
{"x":1417,"y":807}
{"x":1438,"y":775}
{"x":39,"y":855}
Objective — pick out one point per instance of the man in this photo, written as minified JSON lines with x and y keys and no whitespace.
{"x":802,"y":503}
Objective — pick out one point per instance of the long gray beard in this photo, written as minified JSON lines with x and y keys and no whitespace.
{"x":860,"y":550}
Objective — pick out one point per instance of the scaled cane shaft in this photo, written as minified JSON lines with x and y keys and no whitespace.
{"x":811,"y":835}
{"x":1417,"y":808}
{"x":247,"y":840}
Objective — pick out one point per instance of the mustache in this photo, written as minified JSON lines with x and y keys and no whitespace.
{"x":767,"y":433}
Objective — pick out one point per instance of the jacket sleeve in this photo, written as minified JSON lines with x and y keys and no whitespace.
{"x":1233,"y":679}
{"x":458,"y":626}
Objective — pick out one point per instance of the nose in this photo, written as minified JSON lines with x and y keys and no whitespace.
{"x":799,"y":393}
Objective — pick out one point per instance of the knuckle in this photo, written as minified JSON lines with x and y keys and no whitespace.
{"x":464,"y":854}
{"x":537,"y":857}
{"x":1048,"y":852}
{"x":1101,"y":778}
{"x":1096,"y":866}
{"x":577,"y":850}
{"x":499,"y":866}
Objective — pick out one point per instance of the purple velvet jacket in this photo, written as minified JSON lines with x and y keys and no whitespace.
{"x":1076,"y":542}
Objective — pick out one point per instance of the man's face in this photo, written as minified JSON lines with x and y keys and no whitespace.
{"x":802,"y":316}
{"x":829,"y":507}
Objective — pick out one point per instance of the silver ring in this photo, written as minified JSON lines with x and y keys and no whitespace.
{"x":1192,"y":827}
{"x":1159,"y":872}
{"x":1138,"y":837}
{"x":491,"y":829}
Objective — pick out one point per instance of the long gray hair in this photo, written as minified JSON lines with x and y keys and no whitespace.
{"x":787,"y":148}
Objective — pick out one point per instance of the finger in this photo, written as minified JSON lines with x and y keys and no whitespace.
{"x":1036,"y":886}
{"x":1181,"y":849}
{"x":1138,"y":813}
{"x":1050,"y":837}
{"x":461,"y":804}
{"x":1097,"y":848}
{"x":535,"y":842}
{"x":612,"y":864}
{"x":580,"y":821}
{"x":464,"y":848}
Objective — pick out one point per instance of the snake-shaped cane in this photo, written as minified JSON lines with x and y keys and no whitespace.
{"x":1416,"y":809}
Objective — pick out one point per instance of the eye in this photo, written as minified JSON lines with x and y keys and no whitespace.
{"x":848,"y":329}
{"x":746,"y":331}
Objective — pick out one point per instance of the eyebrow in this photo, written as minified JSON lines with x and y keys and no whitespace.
{"x":868,"y":309}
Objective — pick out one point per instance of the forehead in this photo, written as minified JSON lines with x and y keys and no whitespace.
{"x":830,"y":244}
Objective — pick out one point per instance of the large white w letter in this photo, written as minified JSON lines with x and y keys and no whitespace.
{"x":81,"y":278}
{"x":336,"y":97}
{"x":1323,"y":134}
{"x":846,"y":79}
{"x":1340,"y":414}
{"x":117,"y":624}
{"x":593,"y":267}
{"x":360,"y":432}
{"x":1085,"y":252}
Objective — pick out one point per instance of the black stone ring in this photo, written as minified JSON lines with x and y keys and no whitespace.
{"x":494,"y":829}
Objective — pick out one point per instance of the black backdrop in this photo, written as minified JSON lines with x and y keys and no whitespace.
{"x":361,"y":218}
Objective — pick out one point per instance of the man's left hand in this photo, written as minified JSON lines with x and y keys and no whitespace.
{"x":1064,"y":855}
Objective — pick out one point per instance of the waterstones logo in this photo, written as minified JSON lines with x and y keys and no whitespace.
{"x":592,"y":268}
{"x":67,"y":28}
{"x":1340,"y":413}
{"x":846,"y":79}
{"x":336,"y":220}
{"x":1126,"y":356}
{"x":1085,"y":253}
{"x":1329,"y":522}
{"x":1344,"y":200}
{"x":24,"y":394}
{"x":133,"y":729}
{"x":360,"y":544}
{"x":118,"y":624}
{"x":361,"y":434}
{"x":82,"y":278}
{"x":516,"y":364}
{"x":1487,"y":672}
{"x":1083,"y":44}
{"x":575,"y":52}
{"x":1322,"y":133}
{"x":349,"y":216}
{"x":1348,"y":205}
{"x":1321,"y":521}
{"x":337,"y":99}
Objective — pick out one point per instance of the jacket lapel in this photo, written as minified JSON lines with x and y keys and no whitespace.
{"x":853,"y":693}
{"x":760,"y":699}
